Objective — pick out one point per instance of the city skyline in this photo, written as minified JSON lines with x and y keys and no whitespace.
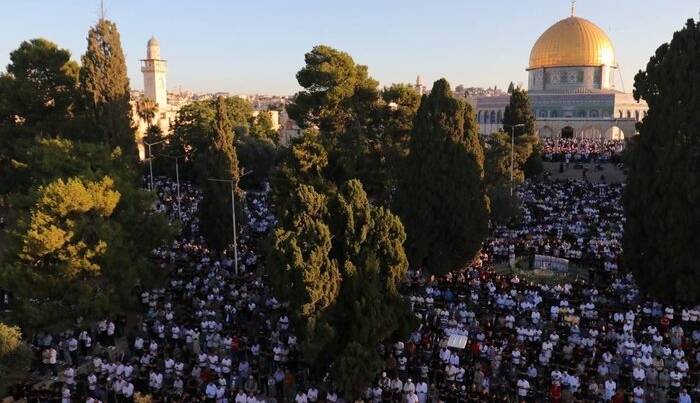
{"x":246,"y":48}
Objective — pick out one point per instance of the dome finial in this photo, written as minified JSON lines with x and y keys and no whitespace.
{"x":573,"y":7}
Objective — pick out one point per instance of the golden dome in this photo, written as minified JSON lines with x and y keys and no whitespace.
{"x":572,"y":42}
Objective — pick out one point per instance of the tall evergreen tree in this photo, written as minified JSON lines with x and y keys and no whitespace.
{"x":526,"y":154}
{"x":661,"y":238}
{"x":518,"y":111}
{"x":193,"y":128}
{"x":221,"y":163}
{"x":106,"y":88}
{"x":343,"y":288}
{"x":441,"y":199}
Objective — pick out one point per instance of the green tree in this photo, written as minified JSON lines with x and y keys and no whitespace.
{"x":37,"y":100}
{"x":441,"y":198}
{"x":15,"y":357}
{"x":192,"y":132}
{"x":304,"y":162}
{"x":258,"y":156}
{"x":38,"y":90}
{"x":519,"y":112}
{"x":83,"y":238}
{"x":388,"y":144}
{"x":154,"y":134}
{"x":343,"y":289}
{"x":146,"y":110}
{"x":527,"y":157}
{"x":504,"y":207}
{"x":220,"y":162}
{"x":261,"y":127}
{"x":337,"y":92}
{"x":106,"y":88}
{"x":663,"y":185}
{"x":498,"y":158}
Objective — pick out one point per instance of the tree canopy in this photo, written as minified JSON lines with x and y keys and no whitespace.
{"x":343,"y":289}
{"x":105,"y":85}
{"x":663,"y":185}
{"x":220,"y":163}
{"x":441,"y":196}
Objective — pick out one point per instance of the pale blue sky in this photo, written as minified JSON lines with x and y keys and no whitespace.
{"x":257,"y":46}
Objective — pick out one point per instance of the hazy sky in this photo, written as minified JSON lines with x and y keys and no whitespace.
{"x":258,"y":46}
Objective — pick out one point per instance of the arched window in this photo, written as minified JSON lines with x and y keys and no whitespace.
{"x":552,"y":114}
{"x":499,"y":117}
{"x":636,"y":115}
{"x":478,"y":117}
{"x":493,"y":117}
{"x":543,"y":114}
{"x":582,"y":114}
{"x":594,"y":113}
{"x":629,"y":115}
{"x":620,"y":112}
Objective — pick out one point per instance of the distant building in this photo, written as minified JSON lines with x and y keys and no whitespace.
{"x":419,"y":87}
{"x":571,"y":87}
{"x":289,"y":129}
{"x":154,"y":71}
{"x":274,"y":116}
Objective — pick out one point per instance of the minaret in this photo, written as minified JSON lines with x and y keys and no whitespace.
{"x":154,"y":69}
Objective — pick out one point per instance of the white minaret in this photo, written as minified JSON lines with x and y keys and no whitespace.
{"x":154,"y":69}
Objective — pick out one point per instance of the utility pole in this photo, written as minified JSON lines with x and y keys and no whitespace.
{"x":177,"y":180}
{"x":150,"y":160}
{"x":233,"y":215}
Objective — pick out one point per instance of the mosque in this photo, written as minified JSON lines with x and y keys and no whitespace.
{"x":571,"y":87}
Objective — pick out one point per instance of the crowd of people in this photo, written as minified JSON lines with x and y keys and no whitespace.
{"x":582,"y":150}
{"x":573,"y":219}
{"x":211,"y":335}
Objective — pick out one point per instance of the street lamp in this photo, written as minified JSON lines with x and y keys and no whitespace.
{"x":177,"y":179}
{"x":233,"y":214}
{"x":512,"y":147}
{"x":150,"y":158}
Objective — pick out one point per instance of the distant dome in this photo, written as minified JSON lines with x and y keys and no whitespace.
{"x":572,"y":42}
{"x":153,"y":49}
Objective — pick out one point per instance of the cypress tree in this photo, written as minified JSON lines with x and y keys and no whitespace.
{"x":220,"y":162}
{"x":106,"y":89}
{"x":343,"y":289}
{"x":518,"y":111}
{"x":527,"y":158}
{"x":661,"y":238}
{"x":441,"y":200}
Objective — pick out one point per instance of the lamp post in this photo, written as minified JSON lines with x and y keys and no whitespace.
{"x":177,"y":180}
{"x":233,"y":215}
{"x":150,"y":159}
{"x":512,"y":148}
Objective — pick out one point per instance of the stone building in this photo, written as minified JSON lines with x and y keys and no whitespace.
{"x":154,"y":71}
{"x":571,"y":87}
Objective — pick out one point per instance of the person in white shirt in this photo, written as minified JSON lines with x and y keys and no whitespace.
{"x":241,"y":397}
{"x":610,"y":389}
{"x":301,"y":397}
{"x":65,"y":395}
{"x":210,"y":391}
{"x":312,"y":394}
{"x":422,"y":391}
{"x":523,"y":387}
